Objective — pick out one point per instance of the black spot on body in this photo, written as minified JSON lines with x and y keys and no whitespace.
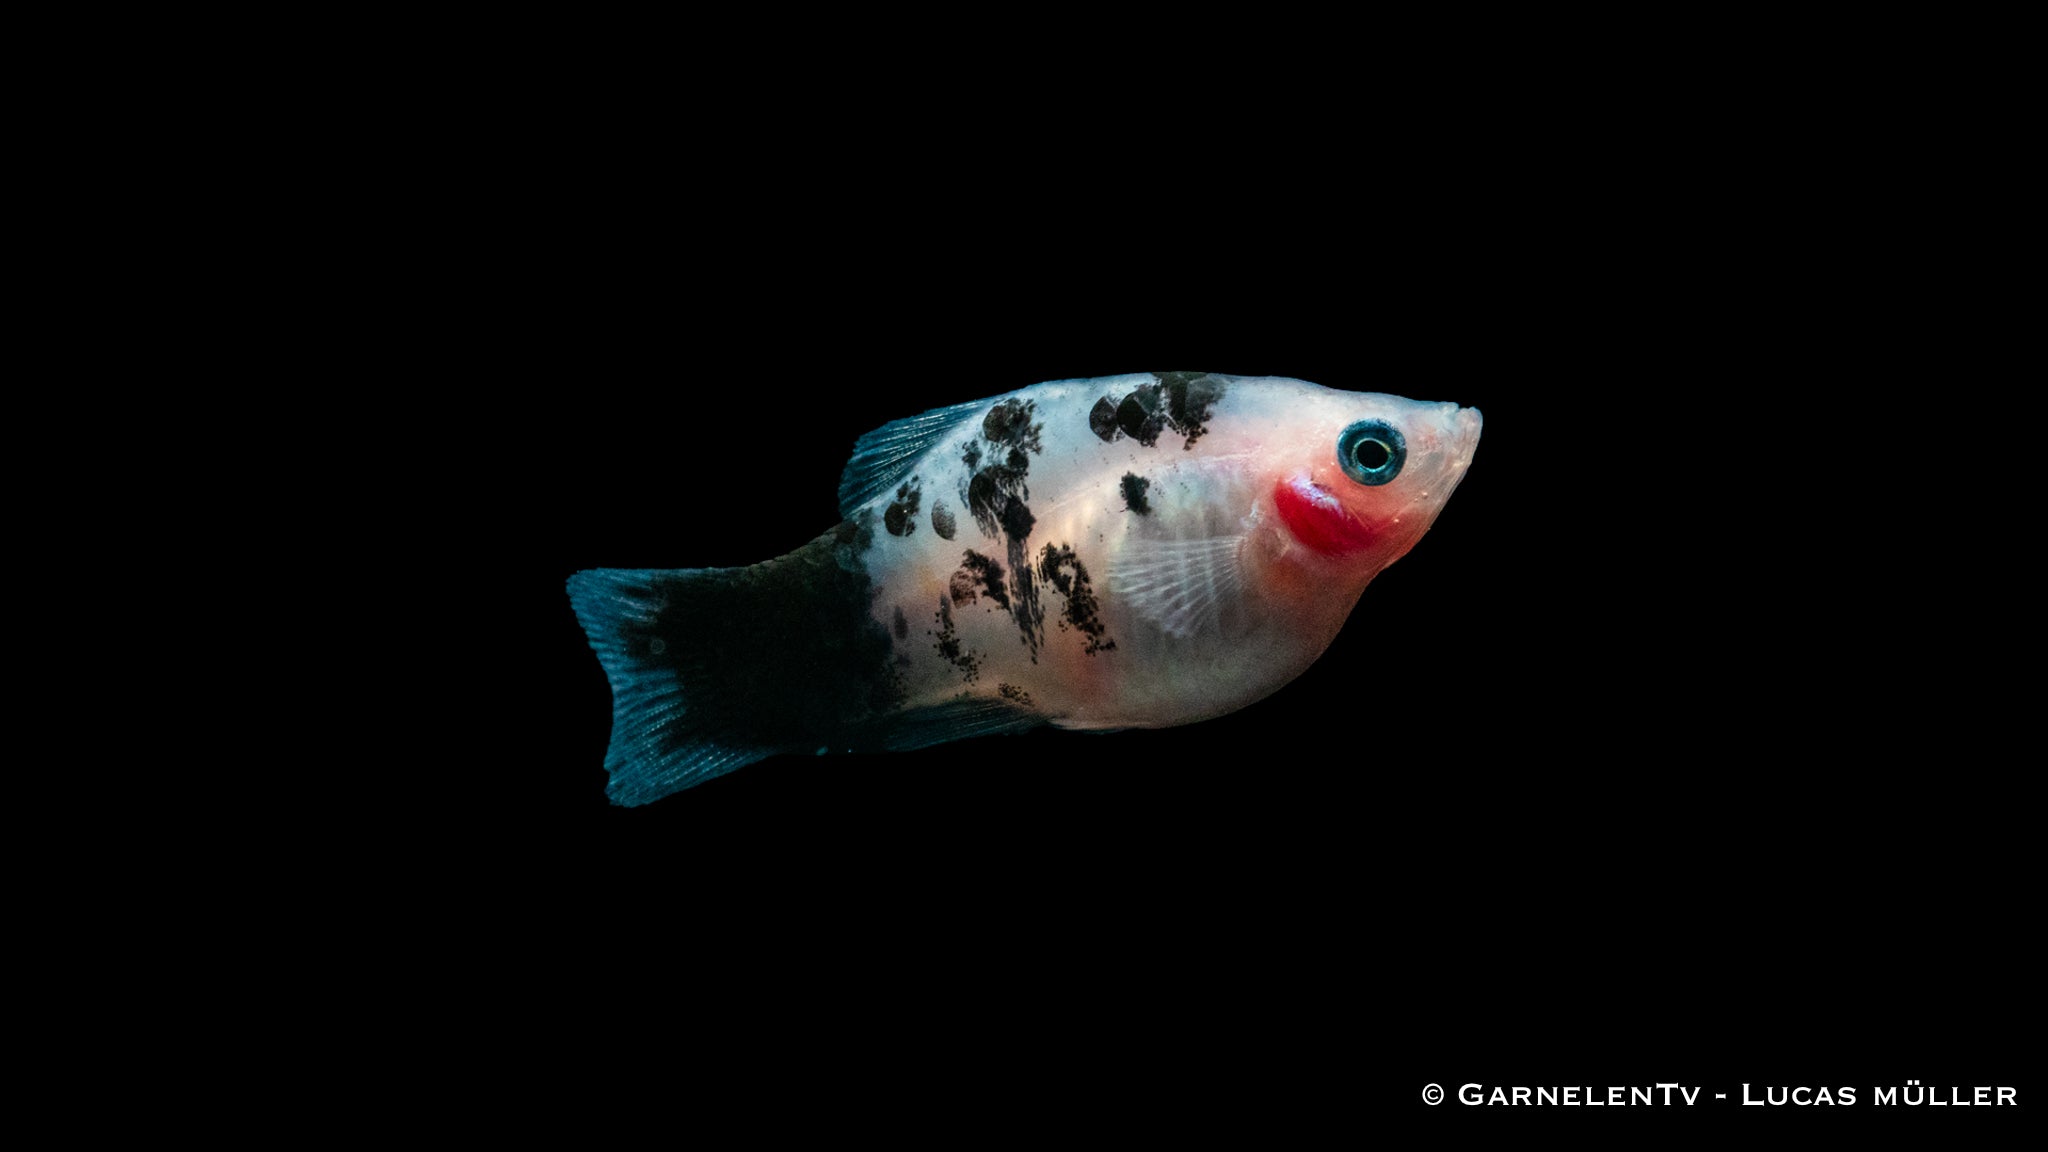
{"x":1188,"y":398}
{"x":949,"y":647}
{"x":1010,"y":423}
{"x":1063,"y":570}
{"x":901,"y":517}
{"x":992,"y":490}
{"x":1179,"y":401}
{"x":1139,"y":415}
{"x":985,"y":501}
{"x":998,"y":425}
{"x":942,"y":520}
{"x":1134,"y":493}
{"x":1017,"y":520}
{"x":995,"y":496}
{"x":979,"y":573}
{"x":1029,"y":614}
{"x":1102,"y":420}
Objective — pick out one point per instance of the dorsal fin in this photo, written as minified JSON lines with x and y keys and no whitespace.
{"x":882,"y":458}
{"x":1179,"y":586}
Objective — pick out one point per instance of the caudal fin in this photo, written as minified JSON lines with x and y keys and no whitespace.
{"x":666,"y":729}
{"x":715,"y":668}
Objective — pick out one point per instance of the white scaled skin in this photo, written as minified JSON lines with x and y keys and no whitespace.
{"x":1256,"y":545}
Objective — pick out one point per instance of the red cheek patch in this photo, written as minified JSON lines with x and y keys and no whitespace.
{"x":1317,"y":519}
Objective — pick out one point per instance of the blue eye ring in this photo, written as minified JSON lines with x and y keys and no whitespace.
{"x":1372,"y":452}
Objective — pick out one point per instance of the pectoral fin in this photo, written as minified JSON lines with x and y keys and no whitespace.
{"x":1182,"y":587}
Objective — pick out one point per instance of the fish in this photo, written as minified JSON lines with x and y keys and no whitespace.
{"x":1123,"y":552}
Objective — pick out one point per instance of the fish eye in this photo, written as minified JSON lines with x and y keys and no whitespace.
{"x":1371,"y":451}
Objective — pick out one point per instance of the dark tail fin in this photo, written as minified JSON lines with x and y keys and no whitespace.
{"x":665,"y":735}
{"x":715,"y":668}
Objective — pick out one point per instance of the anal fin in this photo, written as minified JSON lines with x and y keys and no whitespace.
{"x":953,"y":720}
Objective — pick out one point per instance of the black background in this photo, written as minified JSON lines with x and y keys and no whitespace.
{"x":1648,"y":763}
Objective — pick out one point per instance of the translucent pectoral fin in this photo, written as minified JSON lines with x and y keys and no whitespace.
{"x":1182,"y":587}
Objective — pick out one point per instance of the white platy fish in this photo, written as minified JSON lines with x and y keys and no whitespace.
{"x":1126,"y":552}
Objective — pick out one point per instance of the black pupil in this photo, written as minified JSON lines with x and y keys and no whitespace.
{"x":1370,"y":455}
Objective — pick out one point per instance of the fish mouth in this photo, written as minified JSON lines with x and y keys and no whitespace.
{"x":1465,"y":424}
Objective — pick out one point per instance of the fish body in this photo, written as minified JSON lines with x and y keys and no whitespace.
{"x":1124,"y":552}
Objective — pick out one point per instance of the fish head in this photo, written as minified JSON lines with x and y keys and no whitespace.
{"x":1358,"y":478}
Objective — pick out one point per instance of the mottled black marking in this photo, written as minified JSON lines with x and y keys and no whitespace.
{"x":942,"y":520}
{"x":1017,"y":520}
{"x":995,"y":489}
{"x":978,"y":573}
{"x":1010,"y":423}
{"x":901,"y":518}
{"x":1014,"y":694}
{"x":948,"y":645}
{"x":985,"y":500}
{"x":901,"y":624}
{"x":1188,"y":398}
{"x":995,"y":495}
{"x":1139,"y":415}
{"x":1063,"y":570}
{"x":1029,"y":613}
{"x":1102,"y":420}
{"x":1179,"y":401}
{"x":1134,"y":493}
{"x":783,"y":654}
